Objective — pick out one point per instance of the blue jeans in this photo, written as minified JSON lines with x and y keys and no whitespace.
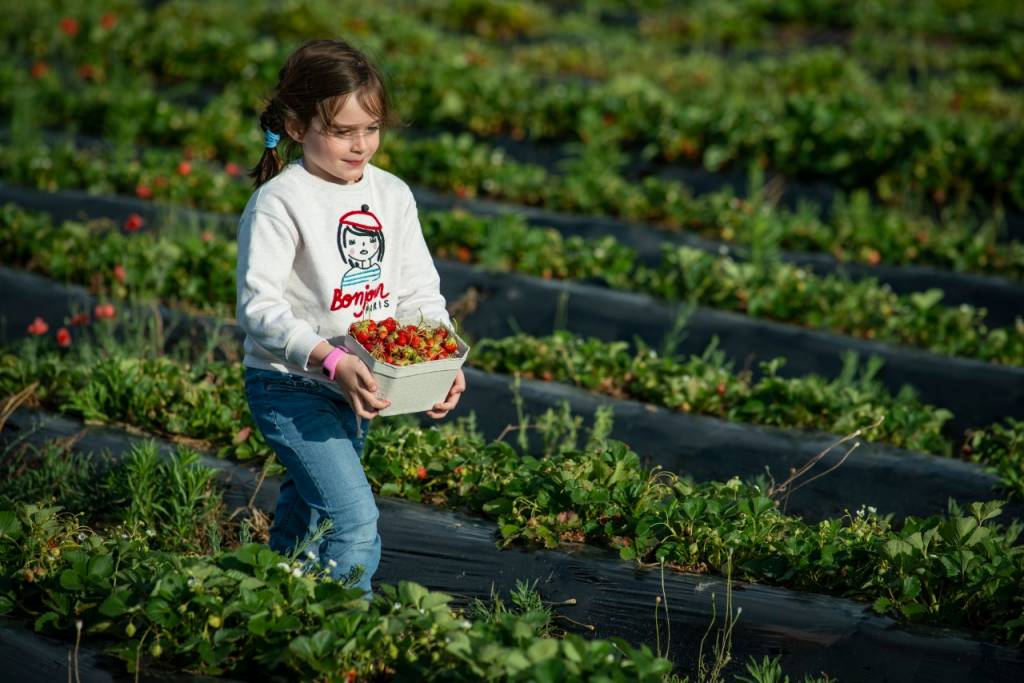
{"x":314,"y":434}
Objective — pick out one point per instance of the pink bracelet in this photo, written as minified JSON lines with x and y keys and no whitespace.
{"x":331,"y":361}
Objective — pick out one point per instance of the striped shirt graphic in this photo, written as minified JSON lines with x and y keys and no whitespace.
{"x":358,"y":276}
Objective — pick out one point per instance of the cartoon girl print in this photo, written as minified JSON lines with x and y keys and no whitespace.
{"x":361,"y":243}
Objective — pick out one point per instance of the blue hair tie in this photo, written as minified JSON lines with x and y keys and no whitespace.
{"x":270,"y":139}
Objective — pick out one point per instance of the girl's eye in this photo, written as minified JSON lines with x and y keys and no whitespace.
{"x":351,"y":243}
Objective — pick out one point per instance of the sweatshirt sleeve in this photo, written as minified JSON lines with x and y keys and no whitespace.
{"x":419,"y":289}
{"x":266,"y":254}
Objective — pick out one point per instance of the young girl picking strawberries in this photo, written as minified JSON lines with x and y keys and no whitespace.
{"x":325,"y":241}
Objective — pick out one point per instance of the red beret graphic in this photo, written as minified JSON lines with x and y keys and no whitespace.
{"x":363,"y":218}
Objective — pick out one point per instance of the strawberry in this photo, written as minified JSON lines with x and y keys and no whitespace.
{"x":450,"y":345}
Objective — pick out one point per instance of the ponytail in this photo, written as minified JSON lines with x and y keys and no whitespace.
{"x":270,"y":163}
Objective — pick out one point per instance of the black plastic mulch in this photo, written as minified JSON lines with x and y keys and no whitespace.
{"x":457,"y":554}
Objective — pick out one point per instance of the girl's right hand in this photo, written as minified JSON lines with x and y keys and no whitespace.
{"x":359,"y":385}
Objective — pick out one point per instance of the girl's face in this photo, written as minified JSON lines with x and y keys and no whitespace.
{"x":339,"y":154}
{"x":360,"y":247}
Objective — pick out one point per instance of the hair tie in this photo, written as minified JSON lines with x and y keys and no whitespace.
{"x":270,"y":139}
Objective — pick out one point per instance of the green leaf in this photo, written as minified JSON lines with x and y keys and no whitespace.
{"x":10,"y":527}
{"x":542,"y":650}
{"x":911,"y":587}
{"x":411,"y":593}
{"x":114,"y":605}
{"x":46,"y":619}
{"x":100,"y":567}
{"x":882,"y":605}
{"x":70,"y":580}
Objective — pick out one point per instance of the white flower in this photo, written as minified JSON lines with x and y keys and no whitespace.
{"x":332,"y":563}
{"x":296,"y":572}
{"x":150,"y":533}
{"x":872,"y":509}
{"x":310,"y":555}
{"x":81,"y":537}
{"x":397,"y":605}
{"x":465,"y":623}
{"x":609,"y":658}
{"x":284,"y":566}
{"x":191,"y":582}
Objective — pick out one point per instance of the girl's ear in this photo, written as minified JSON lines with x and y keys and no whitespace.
{"x":294,"y":130}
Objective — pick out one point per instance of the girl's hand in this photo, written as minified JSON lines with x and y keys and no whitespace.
{"x":442,"y":409}
{"x":356,"y":380}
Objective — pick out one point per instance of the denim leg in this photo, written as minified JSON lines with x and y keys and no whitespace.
{"x":293,"y":519}
{"x":313,"y":434}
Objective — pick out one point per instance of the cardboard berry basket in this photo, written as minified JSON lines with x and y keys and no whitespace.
{"x":410,"y":388}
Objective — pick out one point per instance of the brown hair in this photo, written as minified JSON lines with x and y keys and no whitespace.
{"x":316,"y":80}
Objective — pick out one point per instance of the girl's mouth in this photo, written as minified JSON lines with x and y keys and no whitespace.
{"x":354,"y":164}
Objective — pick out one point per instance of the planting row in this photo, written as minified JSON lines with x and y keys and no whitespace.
{"x":149,"y":267}
{"x":828,"y":118}
{"x":197,"y":268}
{"x":712,"y":449}
{"x":706,"y":384}
{"x":190,"y":599}
{"x":596,"y":591}
{"x":856,"y":230}
{"x":601,"y":494}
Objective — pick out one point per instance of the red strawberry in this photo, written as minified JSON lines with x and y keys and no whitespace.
{"x":69,"y":26}
{"x":38,"y":327}
{"x":403,"y":338}
{"x":450,"y":345}
{"x":421,"y":473}
{"x":134,"y":222}
{"x":63,"y":337}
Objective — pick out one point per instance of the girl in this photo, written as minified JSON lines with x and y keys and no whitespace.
{"x":311,"y":261}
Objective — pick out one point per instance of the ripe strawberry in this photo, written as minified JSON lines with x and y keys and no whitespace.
{"x":403,"y":338}
{"x":391,"y":324}
{"x":63,"y":337}
{"x":421,"y":473}
{"x":450,"y":345}
{"x":38,"y":327}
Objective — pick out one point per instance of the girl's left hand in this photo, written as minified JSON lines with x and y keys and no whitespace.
{"x":442,"y":409}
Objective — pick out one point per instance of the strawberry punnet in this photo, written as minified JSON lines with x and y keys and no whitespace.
{"x":406,"y":345}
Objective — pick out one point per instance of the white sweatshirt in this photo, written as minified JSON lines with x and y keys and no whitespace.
{"x":316,"y":256}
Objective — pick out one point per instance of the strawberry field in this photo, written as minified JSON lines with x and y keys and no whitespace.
{"x":743,"y":287}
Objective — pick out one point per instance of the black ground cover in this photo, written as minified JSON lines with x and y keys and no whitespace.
{"x":29,"y":657}
{"x":978,"y":393}
{"x":890,"y":479}
{"x":457,"y":554}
